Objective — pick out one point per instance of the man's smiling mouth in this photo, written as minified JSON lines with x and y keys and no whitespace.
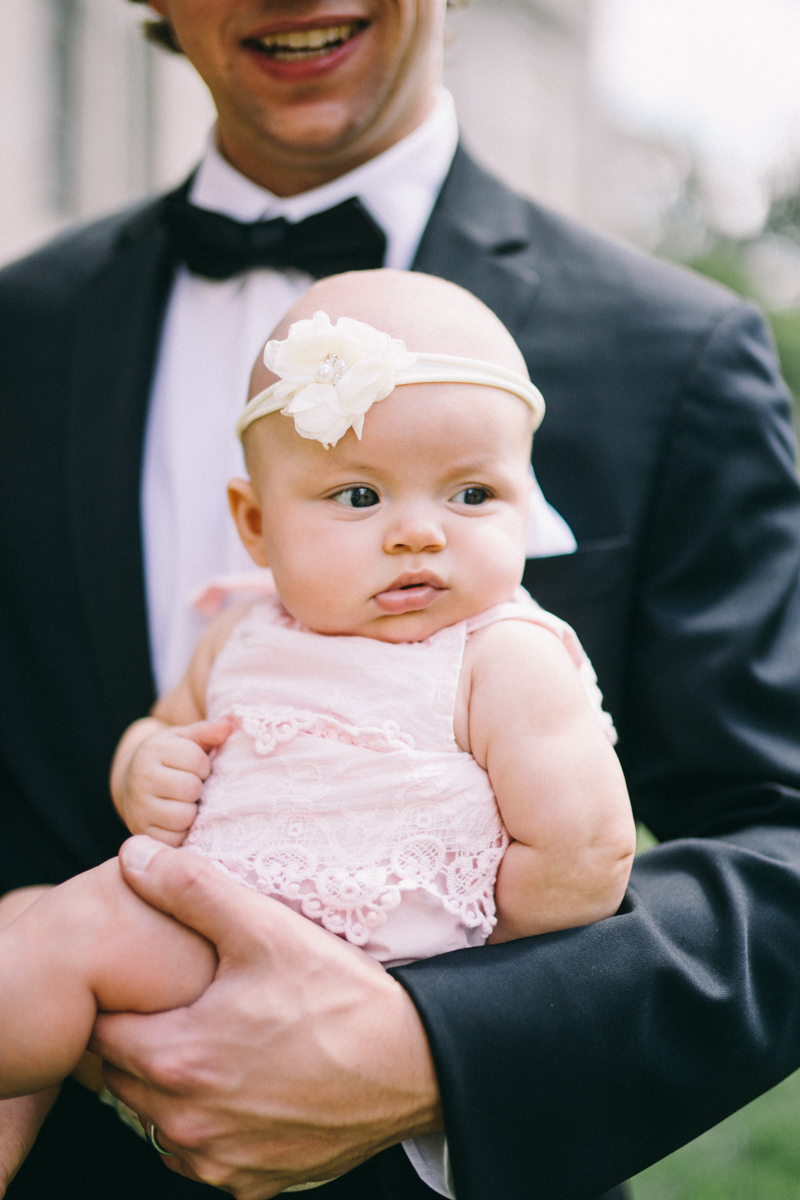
{"x":299,"y":45}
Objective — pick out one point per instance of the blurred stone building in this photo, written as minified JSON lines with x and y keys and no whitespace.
{"x":96,"y":118}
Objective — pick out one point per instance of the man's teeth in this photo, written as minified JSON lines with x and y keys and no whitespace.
{"x":306,"y":43}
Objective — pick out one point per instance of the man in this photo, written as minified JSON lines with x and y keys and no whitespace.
{"x":558,"y":1065}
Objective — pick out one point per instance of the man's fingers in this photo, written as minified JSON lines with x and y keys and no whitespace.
{"x":142,"y":1055}
{"x":197,"y":894}
{"x":123,"y":1041}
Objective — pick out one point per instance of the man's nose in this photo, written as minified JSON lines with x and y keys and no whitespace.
{"x":415,"y":530}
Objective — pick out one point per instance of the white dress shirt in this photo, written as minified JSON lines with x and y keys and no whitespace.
{"x":212,"y":331}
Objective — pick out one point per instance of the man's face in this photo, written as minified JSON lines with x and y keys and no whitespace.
{"x":308,"y":89}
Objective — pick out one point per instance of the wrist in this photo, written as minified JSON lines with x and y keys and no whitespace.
{"x":411,"y":1062}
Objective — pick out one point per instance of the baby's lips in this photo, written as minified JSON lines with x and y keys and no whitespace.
{"x":408,"y":599}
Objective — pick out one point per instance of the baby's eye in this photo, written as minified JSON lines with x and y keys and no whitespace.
{"x":357,"y":497}
{"x":471,"y":495}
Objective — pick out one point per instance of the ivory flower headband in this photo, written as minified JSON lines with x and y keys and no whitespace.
{"x":331,"y":375}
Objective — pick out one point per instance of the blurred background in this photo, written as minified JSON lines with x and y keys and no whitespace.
{"x":672,"y":124}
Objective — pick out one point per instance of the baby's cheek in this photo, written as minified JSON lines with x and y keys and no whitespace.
{"x":324,"y":583}
{"x":497,"y":561}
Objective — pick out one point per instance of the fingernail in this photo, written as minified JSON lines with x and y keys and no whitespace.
{"x":138,"y":853}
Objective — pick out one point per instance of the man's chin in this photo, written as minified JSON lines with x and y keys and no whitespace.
{"x":307,"y":143}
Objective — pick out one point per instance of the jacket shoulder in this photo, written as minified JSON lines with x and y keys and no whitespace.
{"x":620,"y":276}
{"x":54,"y":274}
{"x":575,"y":266}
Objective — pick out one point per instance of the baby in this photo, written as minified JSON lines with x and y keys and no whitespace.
{"x":398,"y":743}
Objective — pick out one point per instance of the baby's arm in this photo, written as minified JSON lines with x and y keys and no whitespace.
{"x":162,"y":760}
{"x":559,"y":786}
{"x":20,"y":1122}
{"x":21,"y":1118}
{"x":90,"y":944}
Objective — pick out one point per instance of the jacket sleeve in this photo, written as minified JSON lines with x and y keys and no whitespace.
{"x":571,"y":1061}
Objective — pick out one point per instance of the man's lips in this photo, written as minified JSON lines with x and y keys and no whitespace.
{"x":302,"y":49}
{"x":410,"y":592}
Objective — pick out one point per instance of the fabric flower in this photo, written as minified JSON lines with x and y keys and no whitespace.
{"x":331,"y":375}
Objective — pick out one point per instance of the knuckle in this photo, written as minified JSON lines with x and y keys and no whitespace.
{"x":211,"y":1173}
{"x":191,"y":875}
{"x":189,"y":788}
{"x":171,"y":1069}
{"x":180,"y":816}
{"x":187,"y":1129}
{"x":144,"y":779}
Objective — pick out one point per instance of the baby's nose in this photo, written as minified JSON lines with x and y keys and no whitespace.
{"x":415,"y":531}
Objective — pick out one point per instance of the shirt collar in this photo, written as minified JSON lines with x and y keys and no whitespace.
{"x":398,"y":187}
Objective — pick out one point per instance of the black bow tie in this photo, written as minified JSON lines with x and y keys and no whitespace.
{"x":344,"y":238}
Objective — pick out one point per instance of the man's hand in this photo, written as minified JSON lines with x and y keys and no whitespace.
{"x":302,"y":1059}
{"x":156,"y":783}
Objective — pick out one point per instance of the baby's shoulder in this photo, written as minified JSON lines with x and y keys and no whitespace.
{"x":511,"y":642}
{"x":220,"y":629}
{"x":508,"y":666}
{"x":215,"y":637}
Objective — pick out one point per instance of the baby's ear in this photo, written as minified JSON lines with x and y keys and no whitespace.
{"x":246,"y":511}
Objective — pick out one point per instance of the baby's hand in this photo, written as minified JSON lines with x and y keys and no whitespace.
{"x":164,"y":779}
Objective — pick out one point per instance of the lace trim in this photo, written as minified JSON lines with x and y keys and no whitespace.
{"x":347,"y":870}
{"x":269,"y":730}
{"x":353,"y":903}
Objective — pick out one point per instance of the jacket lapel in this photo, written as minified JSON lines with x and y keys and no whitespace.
{"x":478,"y":237}
{"x":117,"y":330}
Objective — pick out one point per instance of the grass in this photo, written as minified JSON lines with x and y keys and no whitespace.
{"x":753,"y":1155}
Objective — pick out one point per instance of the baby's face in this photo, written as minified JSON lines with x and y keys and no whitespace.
{"x":417,"y":526}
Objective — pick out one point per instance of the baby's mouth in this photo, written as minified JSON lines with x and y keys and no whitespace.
{"x":410,"y":592}
{"x":300,"y":45}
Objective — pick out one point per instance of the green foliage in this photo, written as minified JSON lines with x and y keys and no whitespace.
{"x":786,"y":328}
{"x":725,"y":261}
{"x":645,"y":840}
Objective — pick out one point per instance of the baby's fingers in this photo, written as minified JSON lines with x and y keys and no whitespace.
{"x":206,"y":734}
{"x":169,"y":783}
{"x":185,"y":750}
{"x":167,"y":820}
{"x":180,"y":753}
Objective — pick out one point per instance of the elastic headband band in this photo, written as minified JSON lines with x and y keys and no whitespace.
{"x":330,"y":376}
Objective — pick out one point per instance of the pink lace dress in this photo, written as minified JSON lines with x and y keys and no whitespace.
{"x":342,"y":792}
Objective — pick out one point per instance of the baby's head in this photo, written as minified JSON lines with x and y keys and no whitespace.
{"x":420,"y":522}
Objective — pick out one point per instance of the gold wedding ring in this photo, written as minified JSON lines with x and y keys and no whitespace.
{"x":151,"y":1134}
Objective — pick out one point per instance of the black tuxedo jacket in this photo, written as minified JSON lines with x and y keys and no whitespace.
{"x":570,"y":1061}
